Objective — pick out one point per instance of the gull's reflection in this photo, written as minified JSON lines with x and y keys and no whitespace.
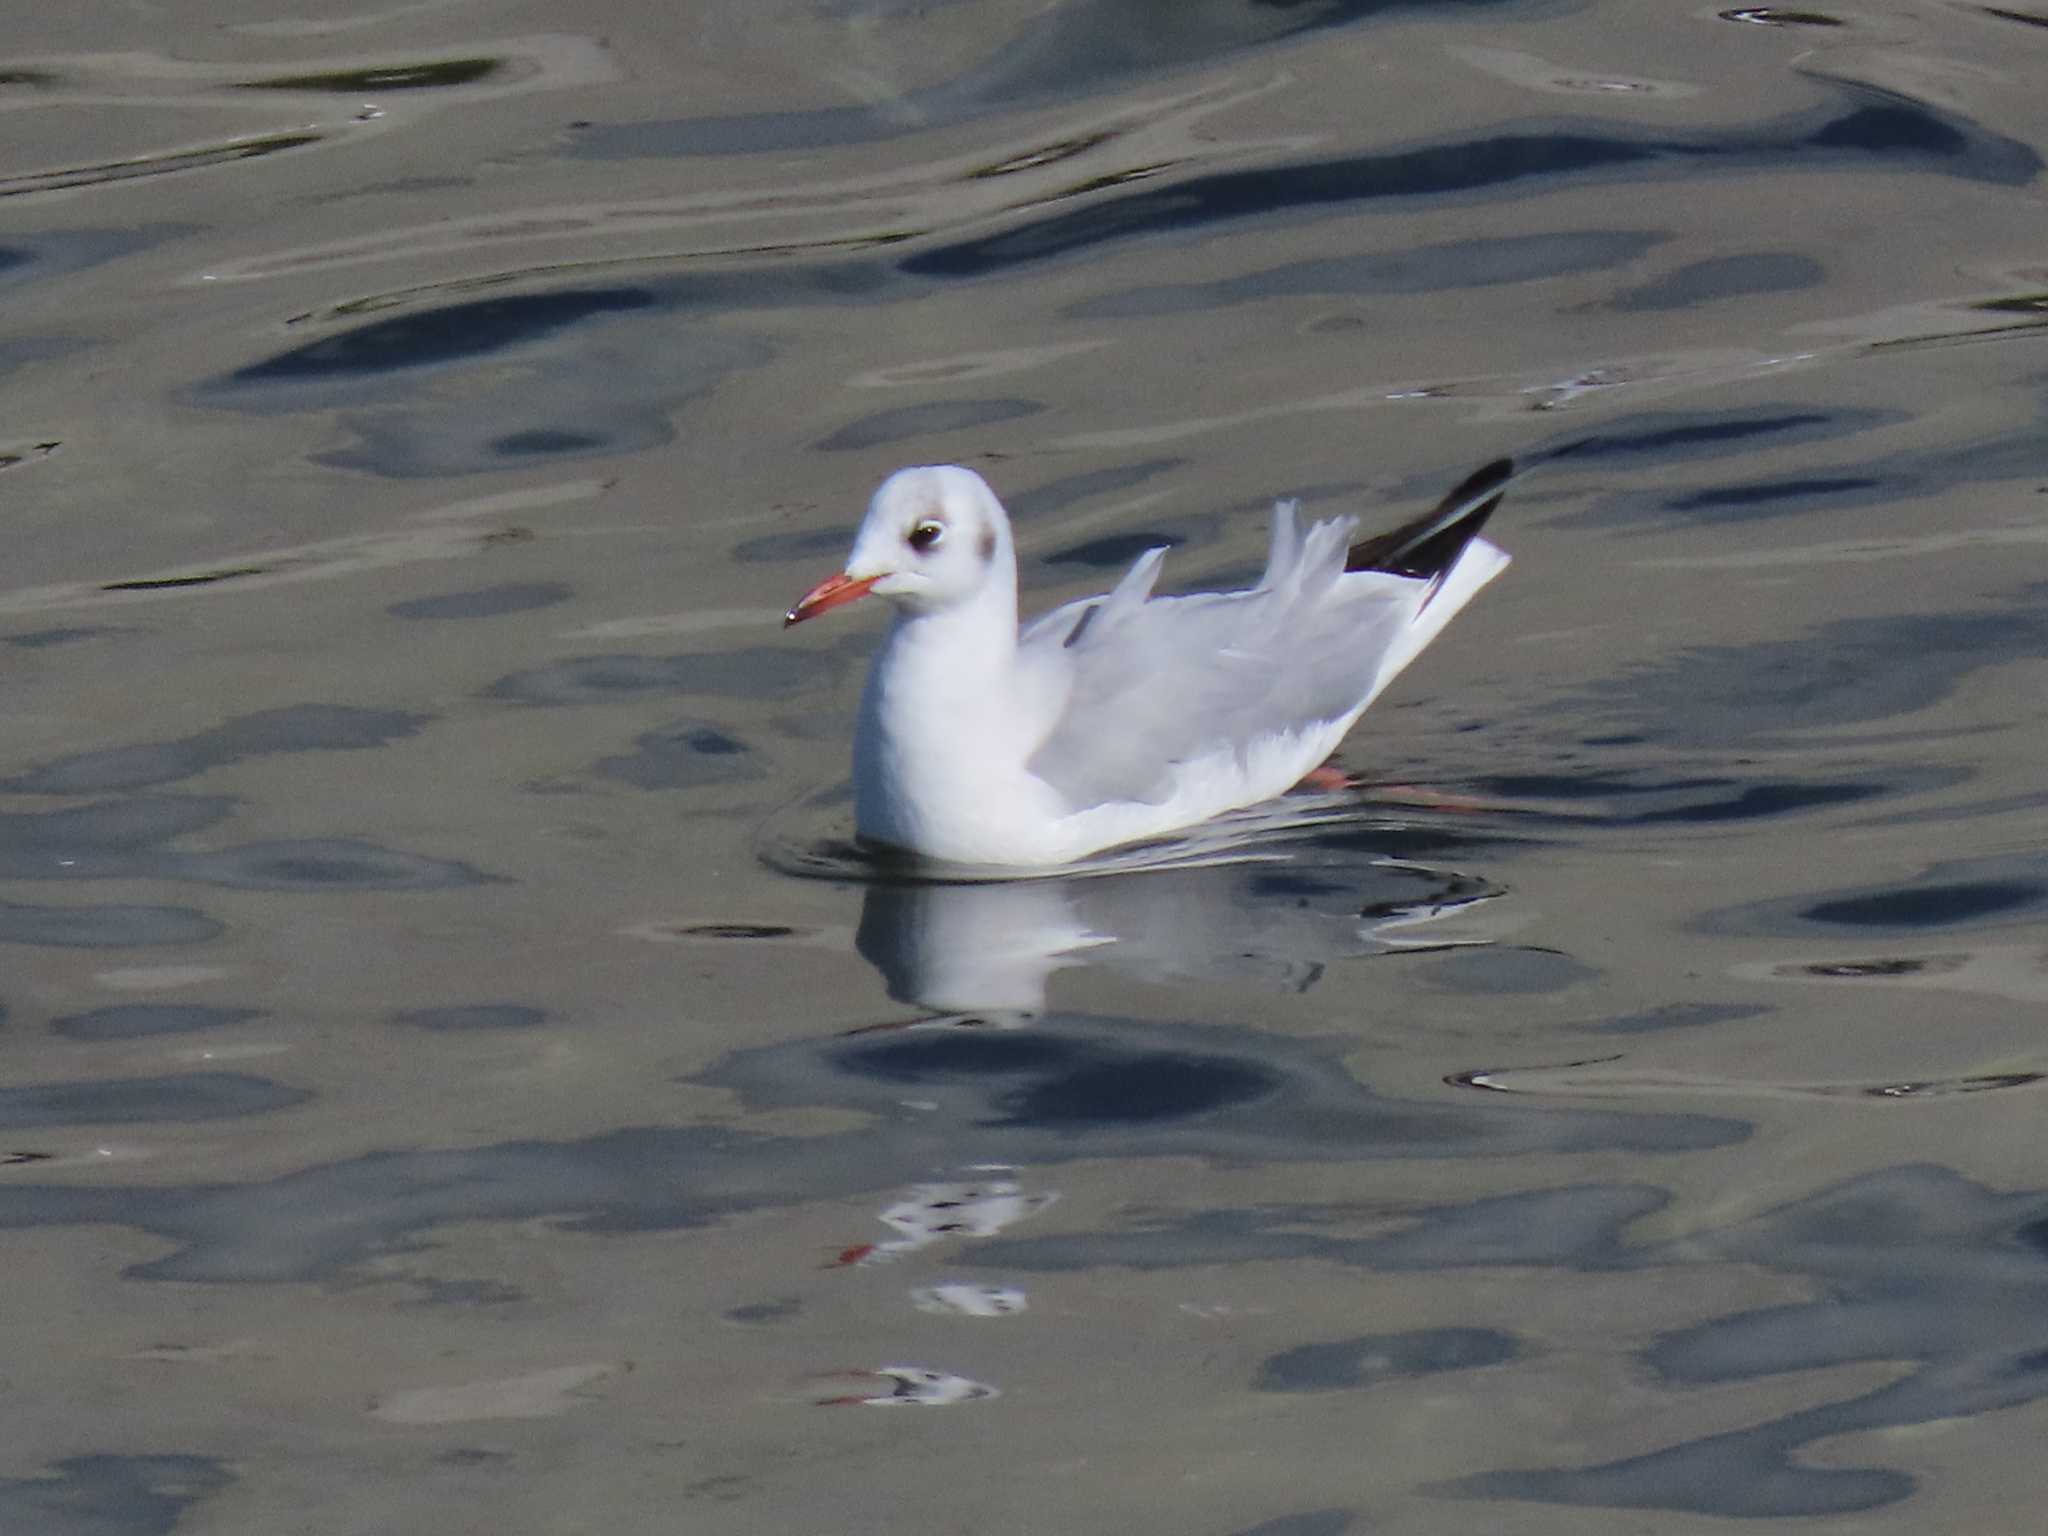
{"x":981,"y":948}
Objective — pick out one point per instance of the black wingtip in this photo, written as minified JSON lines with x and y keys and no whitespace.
{"x":1431,"y":544}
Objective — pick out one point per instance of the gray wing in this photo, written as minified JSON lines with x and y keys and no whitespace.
{"x":1152,"y":683}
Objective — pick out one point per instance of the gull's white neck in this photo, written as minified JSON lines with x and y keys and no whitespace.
{"x":943,"y":732}
{"x":954,"y":648}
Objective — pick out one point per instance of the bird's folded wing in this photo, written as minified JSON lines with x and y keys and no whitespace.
{"x":1154,"y":684}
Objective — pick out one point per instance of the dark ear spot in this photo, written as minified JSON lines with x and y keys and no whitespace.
{"x":987,"y":545}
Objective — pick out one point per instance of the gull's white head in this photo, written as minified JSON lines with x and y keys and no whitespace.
{"x":934,"y":536}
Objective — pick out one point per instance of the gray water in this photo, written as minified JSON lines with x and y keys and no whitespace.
{"x":459,"y":1078}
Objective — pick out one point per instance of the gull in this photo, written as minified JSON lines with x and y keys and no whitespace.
{"x":1125,"y":716}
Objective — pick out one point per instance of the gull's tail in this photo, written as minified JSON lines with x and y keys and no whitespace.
{"x":1443,"y":549}
{"x":1429,"y":546}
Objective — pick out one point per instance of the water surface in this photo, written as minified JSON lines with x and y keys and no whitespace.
{"x":458,"y":1073}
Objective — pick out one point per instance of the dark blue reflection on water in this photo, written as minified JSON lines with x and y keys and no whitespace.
{"x":112,"y":926}
{"x":1070,"y":50}
{"x":1752,"y":801}
{"x":297,"y":728}
{"x":1931,"y":906}
{"x":1865,"y":478}
{"x":1076,"y":1085}
{"x":1233,"y":1094}
{"x":1346,"y":1365}
{"x":1844,"y":672}
{"x":68,"y":634}
{"x":130,"y":837}
{"x":1677,"y":1016}
{"x":1645,"y":799}
{"x":49,"y":254}
{"x":19,"y":352}
{"x":911,"y":421}
{"x":126,"y":839}
{"x":317,"y":864}
{"x":964,"y":1055}
{"x":101,"y":840}
{"x":144,"y":1100}
{"x":1721,"y":278}
{"x":2021,"y":17}
{"x":110,"y":1495}
{"x":1677,"y":435}
{"x":598,"y":380}
{"x":542,"y":442}
{"x":752,"y":672}
{"x":757,"y":1313}
{"x":1894,"y":135}
{"x":448,"y":333}
{"x":1766,"y":498}
{"x":1423,"y":269}
{"x":1959,"y":893}
{"x":595,"y":378}
{"x":684,"y":754}
{"x":1054,"y":1083}
{"x":1914,"y":1264}
{"x":140,"y":1021}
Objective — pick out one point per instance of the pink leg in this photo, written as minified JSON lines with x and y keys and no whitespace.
{"x":1432,"y":799}
{"x":1328,"y":779}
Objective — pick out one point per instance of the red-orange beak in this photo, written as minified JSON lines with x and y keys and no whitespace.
{"x":832,"y":592}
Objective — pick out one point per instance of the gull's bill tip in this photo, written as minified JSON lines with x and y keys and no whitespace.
{"x":830,"y":593}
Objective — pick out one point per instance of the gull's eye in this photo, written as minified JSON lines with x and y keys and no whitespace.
{"x":925,"y":535}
